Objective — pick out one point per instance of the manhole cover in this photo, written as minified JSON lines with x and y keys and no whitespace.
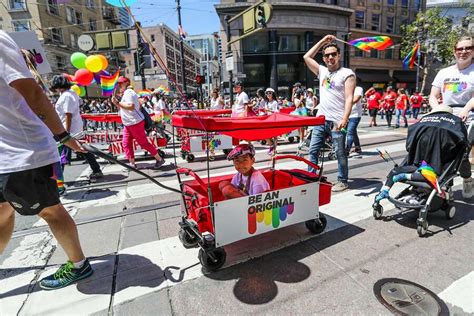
{"x":407,"y":298}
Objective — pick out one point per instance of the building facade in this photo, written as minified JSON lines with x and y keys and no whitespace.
{"x":273,"y":57}
{"x":57,"y":24}
{"x":458,"y":11}
{"x":382,"y":17}
{"x":166,"y":43}
{"x":208,"y":46}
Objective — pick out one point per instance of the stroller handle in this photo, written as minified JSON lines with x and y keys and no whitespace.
{"x":309,"y":163}
{"x":189,"y":172}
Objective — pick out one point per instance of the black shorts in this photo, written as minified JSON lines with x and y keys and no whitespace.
{"x":30,"y":191}
{"x":373,"y":112}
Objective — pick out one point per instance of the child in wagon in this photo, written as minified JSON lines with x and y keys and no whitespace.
{"x":247,"y":181}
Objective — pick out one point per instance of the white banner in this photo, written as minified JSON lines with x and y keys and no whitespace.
{"x":216,"y":142}
{"x":28,"y":40}
{"x":249,"y":216}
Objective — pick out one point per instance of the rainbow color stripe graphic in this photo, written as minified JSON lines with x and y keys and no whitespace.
{"x":328,"y":84}
{"x":107,"y":83}
{"x":270,"y":213}
{"x":375,"y":42}
{"x":409,"y":61}
{"x":430,"y":175}
{"x":454,"y":87}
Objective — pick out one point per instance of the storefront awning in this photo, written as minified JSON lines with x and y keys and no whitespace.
{"x":404,"y":75}
{"x":373,"y":76}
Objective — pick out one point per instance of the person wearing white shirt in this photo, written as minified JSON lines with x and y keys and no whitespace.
{"x":336,"y":89}
{"x":354,"y":120}
{"x":217,"y":103}
{"x":311,"y":102}
{"x":240,"y":106}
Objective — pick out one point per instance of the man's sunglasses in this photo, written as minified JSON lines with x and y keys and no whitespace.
{"x":466,"y":48}
{"x":330,"y":55}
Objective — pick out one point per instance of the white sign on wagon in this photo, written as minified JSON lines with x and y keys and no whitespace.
{"x":252,"y":215}
{"x":219,"y":142}
{"x":28,"y":40}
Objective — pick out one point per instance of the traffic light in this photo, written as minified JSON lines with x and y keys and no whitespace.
{"x":261,"y":16}
{"x":200,"y":79}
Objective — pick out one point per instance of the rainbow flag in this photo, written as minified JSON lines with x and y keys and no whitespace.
{"x":108,"y":83}
{"x":144,"y":93}
{"x":375,"y":42}
{"x":430,"y":175}
{"x":409,"y":60}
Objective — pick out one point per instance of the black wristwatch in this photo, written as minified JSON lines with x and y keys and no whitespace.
{"x":63,"y":137}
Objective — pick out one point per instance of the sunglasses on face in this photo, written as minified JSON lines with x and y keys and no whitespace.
{"x":466,"y":48}
{"x":330,"y":55}
{"x":268,"y":93}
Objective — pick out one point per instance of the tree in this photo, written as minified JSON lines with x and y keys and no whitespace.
{"x":437,"y":36}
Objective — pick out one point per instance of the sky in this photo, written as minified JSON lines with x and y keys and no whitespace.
{"x":197,"y":16}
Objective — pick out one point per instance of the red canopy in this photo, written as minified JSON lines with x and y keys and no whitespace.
{"x":107,"y":118}
{"x":202,"y":112}
{"x":248,"y":128}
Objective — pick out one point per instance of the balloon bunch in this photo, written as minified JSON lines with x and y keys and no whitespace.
{"x":89,"y":70}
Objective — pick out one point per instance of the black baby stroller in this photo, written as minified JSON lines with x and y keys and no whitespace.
{"x":439,"y":139}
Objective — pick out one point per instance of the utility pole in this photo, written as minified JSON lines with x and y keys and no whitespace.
{"x":229,"y":52}
{"x":140,"y":60}
{"x":181,"y":48}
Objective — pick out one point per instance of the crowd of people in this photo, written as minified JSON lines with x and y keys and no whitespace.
{"x":31,"y":130}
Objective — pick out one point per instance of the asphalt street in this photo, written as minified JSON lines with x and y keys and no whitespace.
{"x":129,"y":226}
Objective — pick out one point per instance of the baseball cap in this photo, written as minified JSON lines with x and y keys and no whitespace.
{"x":241,"y":150}
{"x":269,"y":90}
{"x":123,"y":79}
{"x":310,"y":90}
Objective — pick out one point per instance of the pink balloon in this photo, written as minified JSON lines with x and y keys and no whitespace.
{"x":84,"y":77}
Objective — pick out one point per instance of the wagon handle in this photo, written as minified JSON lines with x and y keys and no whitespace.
{"x":189,"y":172}
{"x":309,"y":163}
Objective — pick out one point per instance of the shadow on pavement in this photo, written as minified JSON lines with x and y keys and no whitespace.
{"x":365,"y":183}
{"x":257,"y":278}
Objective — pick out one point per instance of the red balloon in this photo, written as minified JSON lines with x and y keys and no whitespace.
{"x":84,"y":77}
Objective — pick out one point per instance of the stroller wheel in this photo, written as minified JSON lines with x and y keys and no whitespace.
{"x":422,"y":228}
{"x":317,"y":226}
{"x":188,"y":238}
{"x":190,"y":158}
{"x":212,"y":260}
{"x":450,"y":212}
{"x":378,"y":211}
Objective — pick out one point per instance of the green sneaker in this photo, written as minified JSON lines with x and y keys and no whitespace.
{"x":66,"y":275}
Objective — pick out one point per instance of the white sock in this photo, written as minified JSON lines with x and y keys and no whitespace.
{"x":79,"y":264}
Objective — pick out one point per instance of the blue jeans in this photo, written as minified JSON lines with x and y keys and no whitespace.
{"x":352,"y":136}
{"x":402,"y":114}
{"x":319,"y":135}
{"x":415,"y":113}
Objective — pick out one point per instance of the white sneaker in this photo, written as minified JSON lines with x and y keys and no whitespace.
{"x":467,"y":188}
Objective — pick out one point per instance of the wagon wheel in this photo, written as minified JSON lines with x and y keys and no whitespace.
{"x":263,"y":142}
{"x":291,"y":139}
{"x":184,"y":154}
{"x":377,"y":210}
{"x":212,"y":260}
{"x":161,"y":153}
{"x":317,"y":226}
{"x":188,"y":238}
{"x":226,"y":151}
{"x":190,"y":158}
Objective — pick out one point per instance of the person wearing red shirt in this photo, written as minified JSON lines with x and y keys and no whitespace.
{"x":401,"y":103}
{"x":373,"y":104}
{"x":416,"y":100}
{"x":388,"y":104}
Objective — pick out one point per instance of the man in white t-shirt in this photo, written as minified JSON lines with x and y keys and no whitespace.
{"x":68,"y":108}
{"x":239,"y":109}
{"x":336,"y":89}
{"x":456,"y":85}
{"x":28,"y":154}
{"x":354,"y":120}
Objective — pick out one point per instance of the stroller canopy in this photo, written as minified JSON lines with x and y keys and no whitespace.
{"x":438,"y":138}
{"x":248,"y":128}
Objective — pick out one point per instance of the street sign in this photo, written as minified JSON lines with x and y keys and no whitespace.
{"x":29,"y":40}
{"x":241,"y":75}
{"x":229,"y":63}
{"x":85,"y":42}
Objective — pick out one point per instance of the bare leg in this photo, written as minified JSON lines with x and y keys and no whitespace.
{"x":64,"y":229}
{"x":7,"y":222}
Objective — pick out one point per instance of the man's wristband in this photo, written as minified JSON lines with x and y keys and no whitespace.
{"x":63,"y":137}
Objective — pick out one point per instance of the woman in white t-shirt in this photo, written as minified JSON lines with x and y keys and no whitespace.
{"x":311,"y":102}
{"x":133,"y":124}
{"x":271,"y":106}
{"x":240,"y":106}
{"x":456,"y":85}
{"x":217,"y":103}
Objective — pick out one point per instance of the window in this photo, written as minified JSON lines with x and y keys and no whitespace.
{"x":19,"y":5}
{"x":288,"y":43}
{"x":390,"y":24}
{"x":391,"y":2}
{"x":374,"y":53}
{"x":61,"y":62}
{"x":92,"y":25}
{"x":73,"y":16}
{"x":389,"y":54}
{"x":358,"y":52}
{"x":375,"y":22}
{"x":360,"y":19}
{"x":53,"y":7}
{"x":73,"y":40}
{"x":90,"y":4}
{"x":21,"y":25}
{"x":57,"y":35}
{"x":405,"y":3}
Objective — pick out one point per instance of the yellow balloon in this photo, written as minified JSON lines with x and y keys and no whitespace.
{"x":94,"y":63}
{"x":76,"y":89}
{"x":105,"y":62}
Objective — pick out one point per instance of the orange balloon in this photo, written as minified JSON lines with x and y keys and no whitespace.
{"x":105,"y":62}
